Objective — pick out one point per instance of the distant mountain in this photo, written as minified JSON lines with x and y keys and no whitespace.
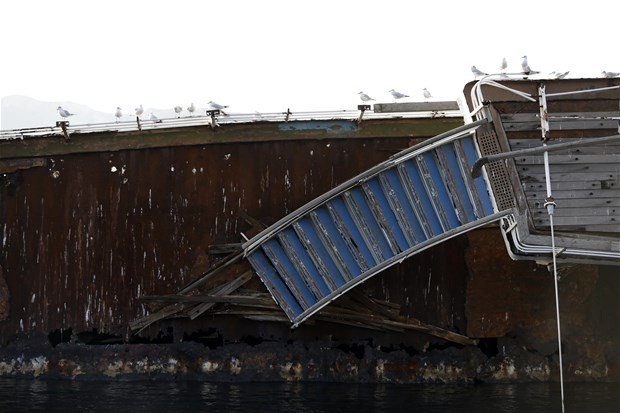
{"x":21,"y":112}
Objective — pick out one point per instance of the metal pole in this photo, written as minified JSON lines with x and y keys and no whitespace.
{"x":550,"y":205}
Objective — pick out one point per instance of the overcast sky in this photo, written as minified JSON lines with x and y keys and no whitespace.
{"x":271,"y":55}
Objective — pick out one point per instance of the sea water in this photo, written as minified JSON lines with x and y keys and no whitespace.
{"x":18,"y":395}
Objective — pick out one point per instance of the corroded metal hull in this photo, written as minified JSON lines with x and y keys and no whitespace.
{"x":92,"y":224}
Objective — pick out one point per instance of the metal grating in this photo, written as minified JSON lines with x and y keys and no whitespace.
{"x":496,"y":171}
{"x":416,"y":199}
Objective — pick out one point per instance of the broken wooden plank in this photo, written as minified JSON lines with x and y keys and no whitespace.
{"x":221,"y":290}
{"x":220,"y":249}
{"x":142,"y":323}
{"x":223,"y":299}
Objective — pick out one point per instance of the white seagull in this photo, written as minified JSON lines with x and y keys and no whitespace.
{"x":191,"y":109}
{"x":427,"y":94}
{"x":397,"y":95}
{"x":118,"y":114}
{"x":217,"y":106}
{"x":477,"y":72}
{"x":364,"y":97}
{"x":153,"y":117}
{"x":64,"y":113}
{"x":526,"y":67}
{"x":139,"y":111}
{"x":178,"y":110}
{"x":610,"y":74}
{"x":504,"y":65}
{"x":558,"y":75}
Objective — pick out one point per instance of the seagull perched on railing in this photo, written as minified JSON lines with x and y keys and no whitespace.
{"x":191,"y":109}
{"x":477,"y":72}
{"x":118,"y":114}
{"x":154,"y":118}
{"x":504,"y":65}
{"x":526,"y":67}
{"x":216,"y":106}
{"x":558,"y":75}
{"x":397,"y":95}
{"x":427,"y":94}
{"x":139,"y":111}
{"x":64,"y":113}
{"x":610,"y":74}
{"x":178,"y":110}
{"x":364,"y":97}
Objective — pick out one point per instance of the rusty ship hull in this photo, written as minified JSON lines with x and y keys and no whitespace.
{"x":92,"y":223}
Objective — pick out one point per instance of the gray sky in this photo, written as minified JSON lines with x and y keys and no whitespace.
{"x":271,"y":55}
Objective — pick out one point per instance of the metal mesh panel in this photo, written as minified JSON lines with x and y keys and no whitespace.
{"x":496,"y":171}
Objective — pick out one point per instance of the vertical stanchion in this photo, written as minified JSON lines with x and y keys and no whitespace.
{"x":550,"y":206}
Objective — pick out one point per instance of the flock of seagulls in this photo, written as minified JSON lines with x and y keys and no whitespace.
{"x":395,"y":94}
{"x":139,"y":111}
{"x":213,"y":106}
{"x":527,"y":70}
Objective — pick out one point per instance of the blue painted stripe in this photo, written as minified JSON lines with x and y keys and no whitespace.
{"x":341,"y":253}
{"x":289,"y":274}
{"x":387,"y":215}
{"x":457,"y":186}
{"x":303,"y":263}
{"x":319,"y":253}
{"x":396,"y":185}
{"x":480,"y":185}
{"x":436,"y":187}
{"x":367,"y":221}
{"x":356,"y":241}
{"x":413,"y":175}
{"x":274,"y":283}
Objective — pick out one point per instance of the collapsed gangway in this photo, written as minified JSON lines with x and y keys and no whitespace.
{"x":414,"y":200}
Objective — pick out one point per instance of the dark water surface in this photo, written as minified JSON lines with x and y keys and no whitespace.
{"x":133,"y":397}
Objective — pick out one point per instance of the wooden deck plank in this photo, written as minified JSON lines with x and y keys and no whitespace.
{"x":599,"y":168}
{"x":563,"y":125}
{"x":590,"y":204}
{"x":568,"y":159}
{"x":581,"y":221}
{"x":534,"y":178}
{"x":565,"y":211}
{"x":568,"y":184}
{"x":577,"y":194}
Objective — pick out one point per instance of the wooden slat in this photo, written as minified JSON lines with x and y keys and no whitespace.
{"x":577,"y":194}
{"x":596,"y":229}
{"x":570,"y":168}
{"x":578,"y":221}
{"x":232,"y":248}
{"x":585,"y":149}
{"x":568,"y":159}
{"x":564,"y":211}
{"x":589,"y":203}
{"x":534,"y":178}
{"x":567,"y":184}
{"x":556,"y":125}
{"x":221,"y":290}
{"x":561,"y":121}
